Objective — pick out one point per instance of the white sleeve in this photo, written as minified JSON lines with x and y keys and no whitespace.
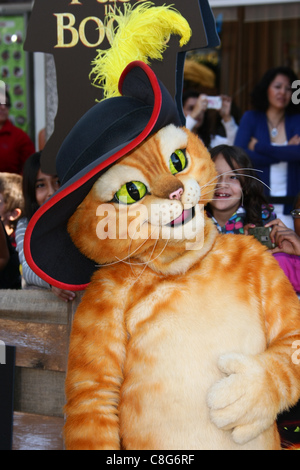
{"x":190,"y":122}
{"x":28,"y":275}
{"x":231,"y":129}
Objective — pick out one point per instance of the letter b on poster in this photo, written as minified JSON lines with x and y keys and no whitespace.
{"x":2,"y":353}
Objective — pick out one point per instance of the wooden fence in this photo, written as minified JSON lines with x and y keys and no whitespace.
{"x":38,"y":324}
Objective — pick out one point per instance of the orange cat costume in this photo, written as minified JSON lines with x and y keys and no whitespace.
{"x":185,"y":339}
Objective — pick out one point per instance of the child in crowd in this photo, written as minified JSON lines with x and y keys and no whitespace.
{"x":239,"y":201}
{"x":239,"y":197}
{"x":10,"y":277}
{"x":37,"y":188}
{"x":11,"y":202}
{"x":11,"y":207}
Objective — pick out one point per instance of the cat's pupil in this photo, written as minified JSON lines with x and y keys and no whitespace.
{"x":176,"y":162}
{"x":133,"y":191}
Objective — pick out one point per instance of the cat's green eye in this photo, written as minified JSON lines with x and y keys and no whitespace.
{"x":131,"y":192}
{"x":177,"y":161}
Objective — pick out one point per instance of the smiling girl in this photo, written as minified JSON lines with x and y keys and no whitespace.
{"x":239,"y":196}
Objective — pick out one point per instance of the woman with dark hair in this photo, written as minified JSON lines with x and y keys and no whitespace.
{"x":37,"y":188}
{"x":270,"y":134}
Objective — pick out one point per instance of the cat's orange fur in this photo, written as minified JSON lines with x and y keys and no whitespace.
{"x":179,"y":346}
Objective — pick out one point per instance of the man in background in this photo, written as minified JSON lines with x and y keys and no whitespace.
{"x":15,"y":145}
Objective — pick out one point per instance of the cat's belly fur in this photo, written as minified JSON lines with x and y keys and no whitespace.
{"x":171,"y":364}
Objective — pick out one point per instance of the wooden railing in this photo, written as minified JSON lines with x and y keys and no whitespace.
{"x":38,"y":324}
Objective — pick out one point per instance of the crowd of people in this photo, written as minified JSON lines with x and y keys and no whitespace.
{"x":257,"y":158}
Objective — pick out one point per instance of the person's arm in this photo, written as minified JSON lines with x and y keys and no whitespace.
{"x":4,"y":253}
{"x":261,"y":151}
{"x":190,"y":122}
{"x":231,"y":129}
{"x":29,"y":276}
{"x":228,"y":120}
{"x":279,"y":153}
{"x":286,"y":240}
{"x":246,"y":132}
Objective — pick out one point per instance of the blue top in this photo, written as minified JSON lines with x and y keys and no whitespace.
{"x":254,"y":124}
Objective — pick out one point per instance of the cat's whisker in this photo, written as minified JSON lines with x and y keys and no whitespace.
{"x":151,"y":260}
{"x":228,"y":184}
{"x":209,"y":183}
{"x":119,"y":260}
{"x":129,"y":248}
{"x":236,"y":170}
{"x":257,"y":179}
{"x":147,"y":263}
{"x":130,"y":254}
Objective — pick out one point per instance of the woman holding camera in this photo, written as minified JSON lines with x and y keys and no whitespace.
{"x":270,"y":134}
{"x":210,"y":117}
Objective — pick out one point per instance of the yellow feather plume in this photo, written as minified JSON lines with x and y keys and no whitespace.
{"x":142,"y":33}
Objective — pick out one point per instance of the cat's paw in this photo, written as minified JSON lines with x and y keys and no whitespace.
{"x":242,"y":401}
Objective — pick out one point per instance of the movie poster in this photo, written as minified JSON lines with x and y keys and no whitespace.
{"x":13,"y":67}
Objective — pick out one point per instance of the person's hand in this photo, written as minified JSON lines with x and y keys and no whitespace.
{"x":65,"y":295}
{"x":252,"y":143}
{"x":295,"y":140}
{"x":286,"y":240}
{"x":200,"y":108}
{"x":225,"y":111}
{"x":246,"y":228}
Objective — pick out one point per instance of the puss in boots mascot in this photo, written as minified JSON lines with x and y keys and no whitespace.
{"x":184,"y":338}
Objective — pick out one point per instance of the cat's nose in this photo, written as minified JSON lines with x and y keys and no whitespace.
{"x":176,"y":194}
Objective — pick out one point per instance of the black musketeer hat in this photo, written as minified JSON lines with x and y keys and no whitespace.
{"x":107,"y":132}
